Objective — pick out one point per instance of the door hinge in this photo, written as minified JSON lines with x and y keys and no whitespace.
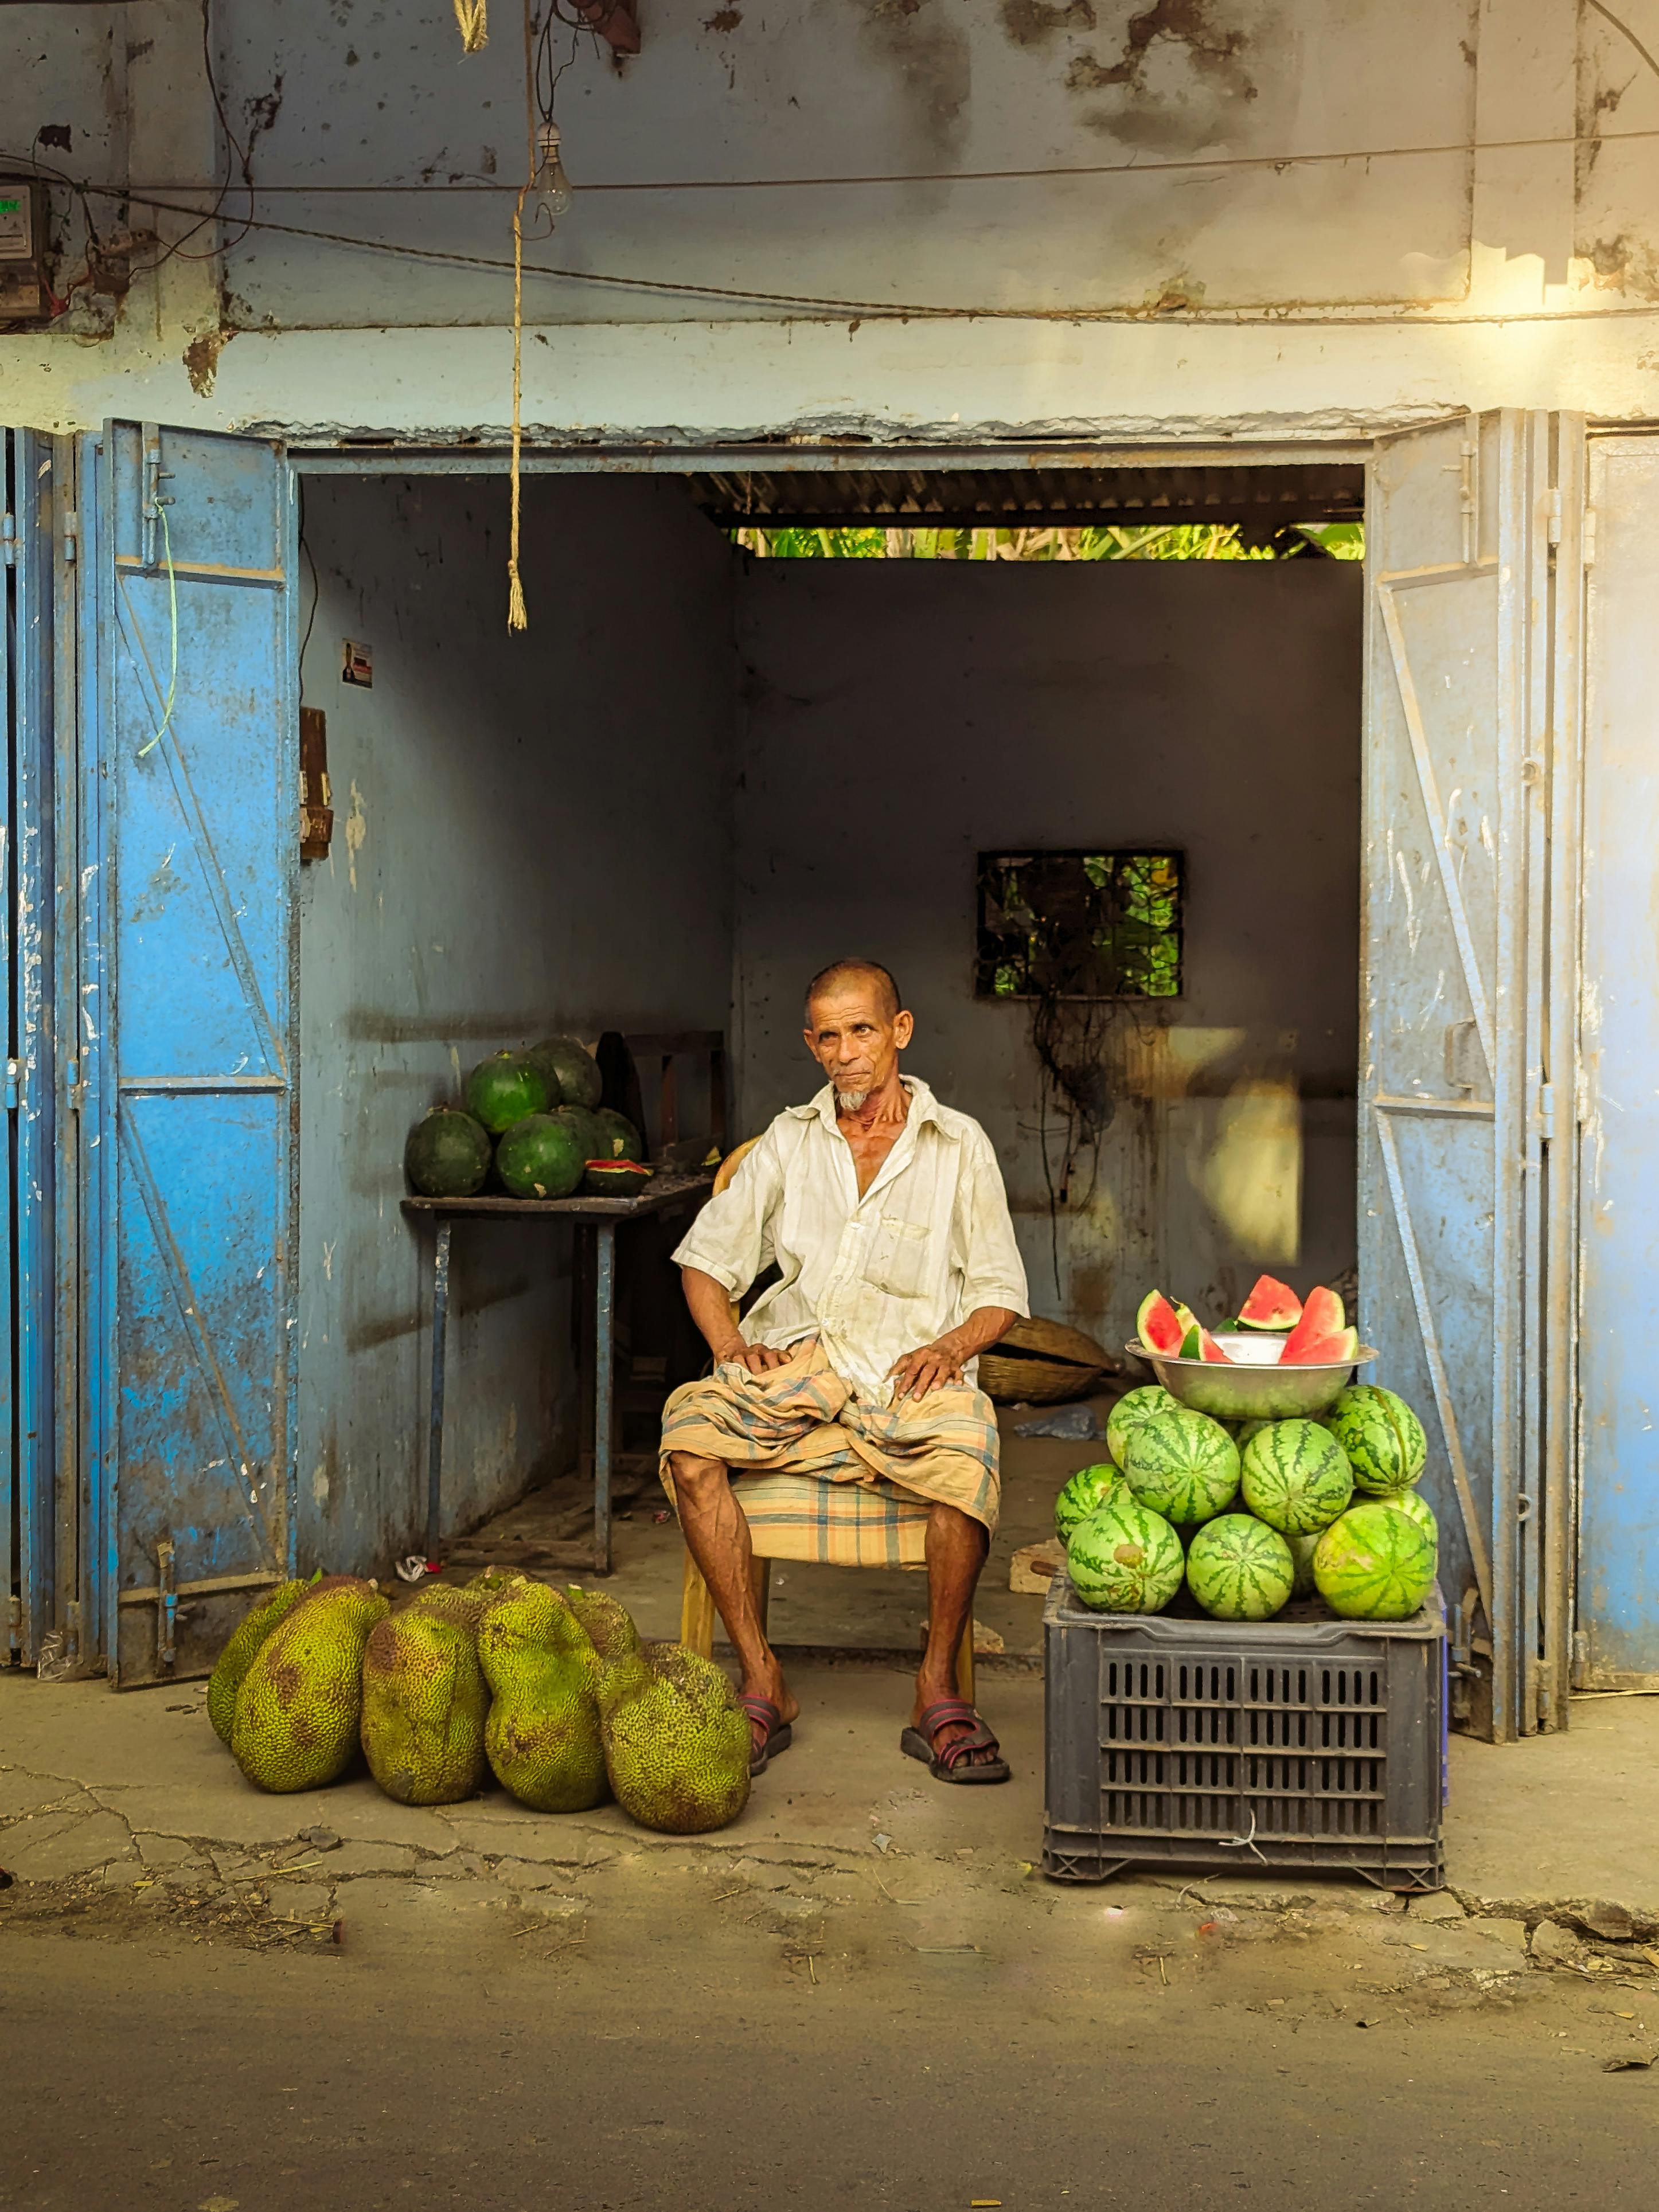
{"x":1546,"y":1114}
{"x":1586,"y":541}
{"x":1552,"y":516}
{"x":14,"y":1069}
{"x":70,"y":532}
{"x":74,"y":1088}
{"x":8,"y":541}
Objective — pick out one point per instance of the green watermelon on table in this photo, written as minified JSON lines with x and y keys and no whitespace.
{"x":1124,"y":1559}
{"x":1375,"y":1563}
{"x":1239,"y":1569}
{"x":1381,"y":1435}
{"x":503,"y":1089}
{"x":1131,"y":1409}
{"x":1085,"y":1493}
{"x":1183,"y":1465}
{"x":540,"y":1158}
{"x":1296,"y":1477}
{"x":447,"y":1154}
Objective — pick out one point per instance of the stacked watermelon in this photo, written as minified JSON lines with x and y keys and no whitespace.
{"x":1249,"y":1519}
{"x":534,"y":1117}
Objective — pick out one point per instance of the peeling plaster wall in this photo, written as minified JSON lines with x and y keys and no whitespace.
{"x":903,"y":715}
{"x":1311,"y":217}
{"x":486,"y":886}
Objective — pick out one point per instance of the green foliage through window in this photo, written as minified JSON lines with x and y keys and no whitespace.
{"x":1079,"y":925}
{"x":1157,"y":541}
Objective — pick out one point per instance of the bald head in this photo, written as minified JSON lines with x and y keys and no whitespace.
{"x":842,"y":974}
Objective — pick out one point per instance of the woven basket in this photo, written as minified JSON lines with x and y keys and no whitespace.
{"x":1043,"y":1363}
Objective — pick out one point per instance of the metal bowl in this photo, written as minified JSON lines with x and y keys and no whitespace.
{"x":1255,"y":1388}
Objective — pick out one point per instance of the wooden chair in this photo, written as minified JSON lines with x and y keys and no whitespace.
{"x":697,"y":1614}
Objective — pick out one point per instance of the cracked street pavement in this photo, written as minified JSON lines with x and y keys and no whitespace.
{"x":218,"y":2000}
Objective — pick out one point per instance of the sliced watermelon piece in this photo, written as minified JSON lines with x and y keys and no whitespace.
{"x":1321,"y":1316}
{"x":1271,"y":1304}
{"x":1339,"y":1350}
{"x":1199,"y":1343}
{"x":1161,"y":1326}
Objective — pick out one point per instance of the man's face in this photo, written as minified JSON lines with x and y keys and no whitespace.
{"x":855,"y":1040}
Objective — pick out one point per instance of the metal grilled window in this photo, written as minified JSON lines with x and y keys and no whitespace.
{"x":1080,"y":925}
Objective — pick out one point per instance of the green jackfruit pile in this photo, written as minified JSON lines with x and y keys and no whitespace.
{"x":551,"y":1691}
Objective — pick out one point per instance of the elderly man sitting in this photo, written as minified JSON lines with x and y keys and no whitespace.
{"x":885,"y":1214}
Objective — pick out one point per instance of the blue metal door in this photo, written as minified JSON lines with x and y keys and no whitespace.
{"x":1618,"y":1643}
{"x":188,"y":1108}
{"x":38,"y":1595}
{"x":1458,"y":1214}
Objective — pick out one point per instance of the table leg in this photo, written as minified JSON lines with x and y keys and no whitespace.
{"x":604,"y":1291}
{"x":435,"y":1439}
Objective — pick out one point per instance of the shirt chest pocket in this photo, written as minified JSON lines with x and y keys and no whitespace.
{"x":898,"y":1261}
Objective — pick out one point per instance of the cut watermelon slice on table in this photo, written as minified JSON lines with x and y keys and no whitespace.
{"x":1340,"y":1349}
{"x":1199,"y":1343}
{"x":1162,"y":1324}
{"x":1321,"y":1316}
{"x":1271,"y":1305}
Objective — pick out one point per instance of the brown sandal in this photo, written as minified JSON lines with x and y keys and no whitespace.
{"x":956,"y":1763}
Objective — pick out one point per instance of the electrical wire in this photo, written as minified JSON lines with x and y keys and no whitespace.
{"x":911,"y":310}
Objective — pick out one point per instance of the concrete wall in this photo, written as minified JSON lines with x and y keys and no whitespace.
{"x":1216,"y":215}
{"x":1211,"y":706}
{"x":515,"y":820}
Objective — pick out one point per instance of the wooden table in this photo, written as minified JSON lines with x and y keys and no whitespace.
{"x":670,"y":1190}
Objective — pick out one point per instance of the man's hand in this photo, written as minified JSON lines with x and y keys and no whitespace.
{"x":929,"y":1369}
{"x":943,"y":1360}
{"x":758,"y":1358}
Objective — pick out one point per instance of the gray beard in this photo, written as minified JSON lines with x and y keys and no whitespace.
{"x":848,"y":1102}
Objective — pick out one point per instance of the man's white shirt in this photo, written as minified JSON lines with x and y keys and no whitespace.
{"x":874,"y":1277}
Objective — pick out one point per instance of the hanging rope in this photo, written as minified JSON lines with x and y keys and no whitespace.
{"x":166,"y":723}
{"x":473,"y":16}
{"x":517,"y":617}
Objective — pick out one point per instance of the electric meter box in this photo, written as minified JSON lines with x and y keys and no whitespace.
{"x":23,"y":293}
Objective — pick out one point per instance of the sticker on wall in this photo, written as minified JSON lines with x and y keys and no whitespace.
{"x":356,"y":664}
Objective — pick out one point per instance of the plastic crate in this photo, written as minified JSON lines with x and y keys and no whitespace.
{"x":1301,"y":1742}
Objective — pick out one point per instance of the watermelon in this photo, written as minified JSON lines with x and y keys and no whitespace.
{"x":1375,"y":1563}
{"x":1339,"y":1350}
{"x":1382,"y":1436}
{"x":1132,"y":1408}
{"x":1413,"y":1503}
{"x":615,"y":1178}
{"x":1086,"y":1493}
{"x":1320,"y":1317}
{"x":539,"y":1157}
{"x":1199,"y":1343}
{"x":1239,"y":1569}
{"x":447,"y":1154}
{"x":1302,"y":1551}
{"x":1296,"y":1477}
{"x":1270,"y":1305}
{"x":619,"y":1139}
{"x":1161,"y":1326}
{"x":570,"y":1070}
{"x":503,"y":1089}
{"x":1124,"y":1558}
{"x":1183,"y":1465}
{"x":584,"y":1125}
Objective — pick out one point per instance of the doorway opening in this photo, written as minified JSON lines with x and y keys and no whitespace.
{"x":707,"y":770}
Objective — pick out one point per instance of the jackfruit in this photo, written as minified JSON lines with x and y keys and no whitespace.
{"x":542,"y":1737}
{"x":425,"y":1699}
{"x":676,"y":1742}
{"x":300,"y":1701}
{"x":238,"y":1656}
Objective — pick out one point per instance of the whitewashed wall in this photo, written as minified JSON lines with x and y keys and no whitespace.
{"x":899,"y":716}
{"x":1317,"y":217}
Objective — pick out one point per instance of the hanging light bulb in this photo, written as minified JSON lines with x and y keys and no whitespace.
{"x":549,"y":188}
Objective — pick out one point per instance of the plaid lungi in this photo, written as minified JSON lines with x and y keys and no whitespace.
{"x":822,"y":1474}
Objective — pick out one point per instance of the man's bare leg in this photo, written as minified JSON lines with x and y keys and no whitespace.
{"x":957,"y":1546}
{"x":716,"y":1534}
